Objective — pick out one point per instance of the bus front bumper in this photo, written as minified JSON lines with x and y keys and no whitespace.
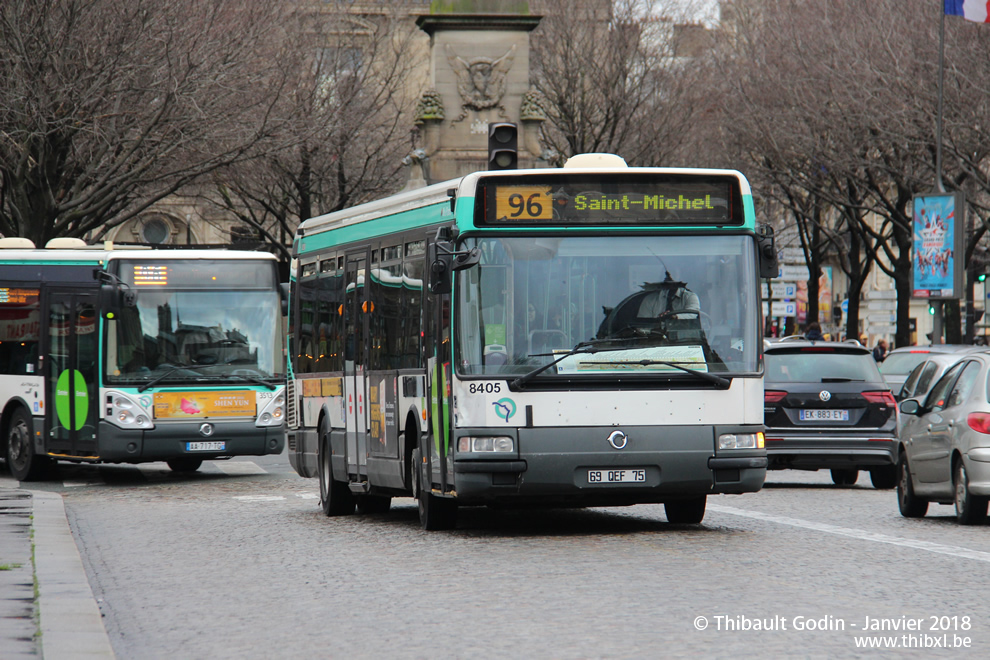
{"x":166,"y":441}
{"x":576,"y":467}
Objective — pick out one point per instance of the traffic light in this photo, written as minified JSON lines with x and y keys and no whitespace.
{"x":502,"y":146}
{"x":982,"y":277}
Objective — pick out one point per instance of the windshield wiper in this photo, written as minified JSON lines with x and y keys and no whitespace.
{"x":704,"y":375}
{"x":157,"y":379}
{"x":250,"y":379}
{"x":591,"y":346}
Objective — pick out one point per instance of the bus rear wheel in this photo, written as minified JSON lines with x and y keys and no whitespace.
{"x":24,"y":463}
{"x":686,"y":512}
{"x":184,"y":464}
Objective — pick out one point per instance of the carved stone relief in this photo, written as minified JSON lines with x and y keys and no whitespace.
{"x":480,"y":81}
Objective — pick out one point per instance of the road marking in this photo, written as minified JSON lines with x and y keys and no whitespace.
{"x":238,"y":467}
{"x":259,"y":498}
{"x":308,"y":496}
{"x":863,"y":535}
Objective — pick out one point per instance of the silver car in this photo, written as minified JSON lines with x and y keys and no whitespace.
{"x":945,"y":444}
{"x":900,"y":361}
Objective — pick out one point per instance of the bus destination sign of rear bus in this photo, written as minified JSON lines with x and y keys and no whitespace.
{"x":540,"y":204}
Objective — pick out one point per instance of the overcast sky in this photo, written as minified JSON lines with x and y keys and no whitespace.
{"x":705,"y":11}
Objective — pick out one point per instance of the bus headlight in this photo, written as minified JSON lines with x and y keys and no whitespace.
{"x":273,"y":411}
{"x":497,"y":444}
{"x":740,"y":441}
{"x":125,"y":412}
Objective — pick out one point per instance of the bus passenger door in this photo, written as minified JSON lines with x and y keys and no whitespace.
{"x":356,"y":312}
{"x":70,"y":348}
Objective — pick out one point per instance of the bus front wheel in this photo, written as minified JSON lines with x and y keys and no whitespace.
{"x":184,"y":464}
{"x":686,"y":512}
{"x":336,"y":498}
{"x":22,"y":460}
{"x":435,"y":513}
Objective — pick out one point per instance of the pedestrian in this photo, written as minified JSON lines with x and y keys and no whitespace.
{"x":814,"y":332}
{"x":880,"y":351}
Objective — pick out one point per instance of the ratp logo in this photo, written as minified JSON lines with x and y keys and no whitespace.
{"x":505,"y":408}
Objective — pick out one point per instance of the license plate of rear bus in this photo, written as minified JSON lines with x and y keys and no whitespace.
{"x":206,"y":446}
{"x":626,"y":476}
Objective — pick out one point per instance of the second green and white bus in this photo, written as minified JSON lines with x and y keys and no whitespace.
{"x":501,"y":339}
{"x":134,"y":356}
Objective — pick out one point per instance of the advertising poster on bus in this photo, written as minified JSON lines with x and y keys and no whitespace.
{"x":937,"y":244}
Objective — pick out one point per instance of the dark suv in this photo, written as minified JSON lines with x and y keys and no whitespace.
{"x":826,"y":406}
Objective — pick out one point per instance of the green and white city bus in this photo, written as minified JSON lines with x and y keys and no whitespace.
{"x":130,"y":356}
{"x":585,"y":336}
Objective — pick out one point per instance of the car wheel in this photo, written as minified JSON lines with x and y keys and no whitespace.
{"x":884,"y":478}
{"x":336,"y":498}
{"x":911,"y":505}
{"x":686,"y":512}
{"x":24,"y":463}
{"x":845,"y":477}
{"x":970,"y":509}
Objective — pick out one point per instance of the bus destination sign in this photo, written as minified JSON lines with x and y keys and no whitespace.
{"x":148,"y":275}
{"x":9,"y":296}
{"x":577,"y":200}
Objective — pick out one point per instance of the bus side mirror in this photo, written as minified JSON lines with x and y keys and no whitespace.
{"x":440,"y":269}
{"x":113,"y":297}
{"x":769,"y":267}
{"x":283,"y":293}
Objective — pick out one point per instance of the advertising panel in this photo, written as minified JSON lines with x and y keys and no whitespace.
{"x":937,"y":267}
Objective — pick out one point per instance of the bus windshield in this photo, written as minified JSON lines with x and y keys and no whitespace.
{"x":657,"y":303}
{"x":200,"y":335}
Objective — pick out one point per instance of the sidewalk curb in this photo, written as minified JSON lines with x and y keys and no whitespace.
{"x":71,"y":623}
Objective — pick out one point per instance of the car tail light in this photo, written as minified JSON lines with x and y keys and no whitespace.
{"x":979,"y":422}
{"x":773,"y":396}
{"x":882,"y":397}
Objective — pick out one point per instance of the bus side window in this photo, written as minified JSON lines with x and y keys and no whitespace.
{"x":18,"y":358}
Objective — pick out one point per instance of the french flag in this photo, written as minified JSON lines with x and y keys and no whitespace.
{"x":971,"y":10}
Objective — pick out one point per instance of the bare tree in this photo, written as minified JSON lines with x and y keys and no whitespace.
{"x":347,"y":126}
{"x":111,"y":105}
{"x":612,"y":81}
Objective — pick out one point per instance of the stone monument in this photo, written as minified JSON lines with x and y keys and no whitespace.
{"x":479,"y":73}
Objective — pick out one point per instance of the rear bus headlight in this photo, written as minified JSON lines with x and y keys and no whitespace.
{"x":740,"y":441}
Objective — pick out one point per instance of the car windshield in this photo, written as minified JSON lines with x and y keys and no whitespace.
{"x":805,"y":366}
{"x":674,"y":299}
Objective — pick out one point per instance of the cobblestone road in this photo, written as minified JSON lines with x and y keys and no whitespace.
{"x":247,"y":567}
